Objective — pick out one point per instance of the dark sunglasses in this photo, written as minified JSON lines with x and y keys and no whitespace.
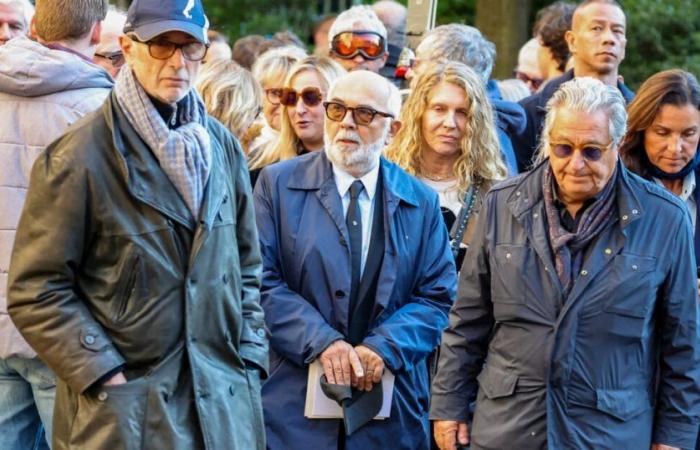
{"x":274,"y":96}
{"x":349,"y":44}
{"x":310,"y":96}
{"x":115,"y":58}
{"x":362,"y":115}
{"x":164,"y":49}
{"x":590,"y":152}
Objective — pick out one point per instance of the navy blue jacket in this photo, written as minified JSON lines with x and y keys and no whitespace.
{"x":306,"y":281}
{"x":525,"y":144}
{"x":614,"y":365}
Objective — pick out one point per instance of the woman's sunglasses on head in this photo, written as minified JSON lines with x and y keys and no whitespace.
{"x":349,"y":44}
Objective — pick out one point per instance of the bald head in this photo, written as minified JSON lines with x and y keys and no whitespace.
{"x":597,"y":40}
{"x":373,"y":88}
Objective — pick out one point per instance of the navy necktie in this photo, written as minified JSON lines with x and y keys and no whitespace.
{"x":353,"y":220}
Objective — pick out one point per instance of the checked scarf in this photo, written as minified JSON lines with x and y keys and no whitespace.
{"x":568,"y":247}
{"x":184,"y":153}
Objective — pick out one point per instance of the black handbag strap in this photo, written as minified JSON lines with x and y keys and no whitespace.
{"x":463,"y":219}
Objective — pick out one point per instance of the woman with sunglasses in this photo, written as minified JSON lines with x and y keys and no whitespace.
{"x":271,"y":69}
{"x":663,"y":132}
{"x":302,"y":115}
{"x":448,"y":140}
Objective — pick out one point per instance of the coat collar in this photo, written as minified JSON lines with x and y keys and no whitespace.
{"x":551,"y":87}
{"x":317,"y":171}
{"x":145,"y":179}
{"x":528,"y":192}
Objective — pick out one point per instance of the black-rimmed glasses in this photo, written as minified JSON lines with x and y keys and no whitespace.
{"x":363,"y":115}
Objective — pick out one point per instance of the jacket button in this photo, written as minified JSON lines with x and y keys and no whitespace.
{"x":102,"y":396}
{"x":339,"y":293}
{"x":89,"y":339}
{"x":342,"y":241}
{"x":260,"y":332}
{"x":193,"y":280}
{"x":584,"y":272}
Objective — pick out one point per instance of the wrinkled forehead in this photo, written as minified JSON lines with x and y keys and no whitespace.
{"x":12,"y":13}
{"x":360,"y":91}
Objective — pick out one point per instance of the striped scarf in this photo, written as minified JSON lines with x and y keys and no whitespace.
{"x":184,"y":153}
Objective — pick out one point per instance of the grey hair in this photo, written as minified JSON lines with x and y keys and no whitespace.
{"x":460,"y":43}
{"x":357,"y":18}
{"x":393,"y":15}
{"x":25,"y":7}
{"x":589,"y":95}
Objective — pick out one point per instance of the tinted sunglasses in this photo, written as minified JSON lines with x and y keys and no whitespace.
{"x":274,"y":96}
{"x":349,"y":44}
{"x":115,"y":58}
{"x":163,"y":49}
{"x":362,"y":115}
{"x":310,"y":96}
{"x":590,"y":152}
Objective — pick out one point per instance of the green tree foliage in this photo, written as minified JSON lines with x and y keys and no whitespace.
{"x":661,"y":35}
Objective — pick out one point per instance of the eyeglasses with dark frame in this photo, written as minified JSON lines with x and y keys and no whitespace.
{"x":363,"y":115}
{"x":349,"y":44}
{"x":274,"y":96}
{"x":590,"y":152}
{"x":115,"y":58}
{"x":311,"y":97}
{"x":163,"y":49}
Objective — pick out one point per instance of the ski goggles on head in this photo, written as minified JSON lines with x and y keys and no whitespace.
{"x":348,"y":44}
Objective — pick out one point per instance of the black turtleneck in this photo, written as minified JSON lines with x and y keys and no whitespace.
{"x":168,"y":112}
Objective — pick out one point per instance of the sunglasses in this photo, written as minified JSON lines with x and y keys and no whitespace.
{"x":590,"y":152}
{"x":349,"y":44}
{"x":115,"y":58}
{"x":310,"y":96}
{"x":164,"y":49}
{"x":362,"y":115}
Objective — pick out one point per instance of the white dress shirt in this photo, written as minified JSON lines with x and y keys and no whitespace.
{"x":343,"y":180}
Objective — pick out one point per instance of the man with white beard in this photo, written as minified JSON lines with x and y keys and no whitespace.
{"x":357,"y":274}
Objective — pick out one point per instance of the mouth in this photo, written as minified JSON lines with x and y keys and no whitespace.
{"x":607,"y":54}
{"x":303,"y":123}
{"x":446,"y":138}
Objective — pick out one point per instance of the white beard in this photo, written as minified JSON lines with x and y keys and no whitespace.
{"x":359,"y":160}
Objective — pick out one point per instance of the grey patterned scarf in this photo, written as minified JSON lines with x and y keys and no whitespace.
{"x":184,"y":153}
{"x":568,"y":247}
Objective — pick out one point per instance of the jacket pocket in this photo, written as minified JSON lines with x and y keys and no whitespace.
{"x":130,"y":272}
{"x":509,"y":272}
{"x":631,"y":285}
{"x":497,"y":383}
{"x":623,"y":404}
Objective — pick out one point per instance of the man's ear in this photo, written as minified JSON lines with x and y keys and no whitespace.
{"x":393,"y":129}
{"x":32,"y":29}
{"x":127,"y":46}
{"x":571,"y":41}
{"x":96,"y":32}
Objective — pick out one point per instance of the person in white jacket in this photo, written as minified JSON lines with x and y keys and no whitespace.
{"x":44,"y":87}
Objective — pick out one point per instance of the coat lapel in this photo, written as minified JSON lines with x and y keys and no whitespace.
{"x":145,"y":179}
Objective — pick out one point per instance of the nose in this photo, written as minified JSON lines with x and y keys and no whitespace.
{"x":449,"y":121}
{"x":675,"y":143}
{"x":348,"y":120}
{"x":177,"y":60}
{"x":577,"y":161}
{"x":4,"y":31}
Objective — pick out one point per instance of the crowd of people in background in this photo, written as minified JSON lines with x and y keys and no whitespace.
{"x":188,"y":225}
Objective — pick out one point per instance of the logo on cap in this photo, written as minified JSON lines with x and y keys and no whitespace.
{"x":187,"y":12}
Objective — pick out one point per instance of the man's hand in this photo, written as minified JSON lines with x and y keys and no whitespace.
{"x":338,"y":360}
{"x":115,"y":380}
{"x":663,"y":447}
{"x":373,"y":366}
{"x":450,"y":433}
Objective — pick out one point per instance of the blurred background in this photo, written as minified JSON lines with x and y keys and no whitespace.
{"x":661,"y":34}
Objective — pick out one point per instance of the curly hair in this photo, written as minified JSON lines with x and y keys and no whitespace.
{"x":288,"y":142}
{"x":671,"y":87}
{"x":551,"y":25}
{"x":480,"y":150}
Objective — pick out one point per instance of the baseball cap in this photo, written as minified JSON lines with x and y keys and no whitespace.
{"x":150,"y":18}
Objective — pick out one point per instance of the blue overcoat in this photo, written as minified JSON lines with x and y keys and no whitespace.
{"x":305,"y":291}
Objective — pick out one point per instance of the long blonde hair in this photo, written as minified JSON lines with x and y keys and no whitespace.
{"x":288,"y":142}
{"x":480,"y":154}
{"x":230,"y":94}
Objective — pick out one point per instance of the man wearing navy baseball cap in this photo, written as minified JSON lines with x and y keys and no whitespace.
{"x":136,"y":267}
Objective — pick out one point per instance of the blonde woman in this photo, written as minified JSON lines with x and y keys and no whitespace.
{"x":230,"y":94}
{"x":302,"y":115}
{"x":448,"y":140}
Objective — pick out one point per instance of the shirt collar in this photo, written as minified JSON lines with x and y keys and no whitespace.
{"x":688,"y":185}
{"x":343,"y":180}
